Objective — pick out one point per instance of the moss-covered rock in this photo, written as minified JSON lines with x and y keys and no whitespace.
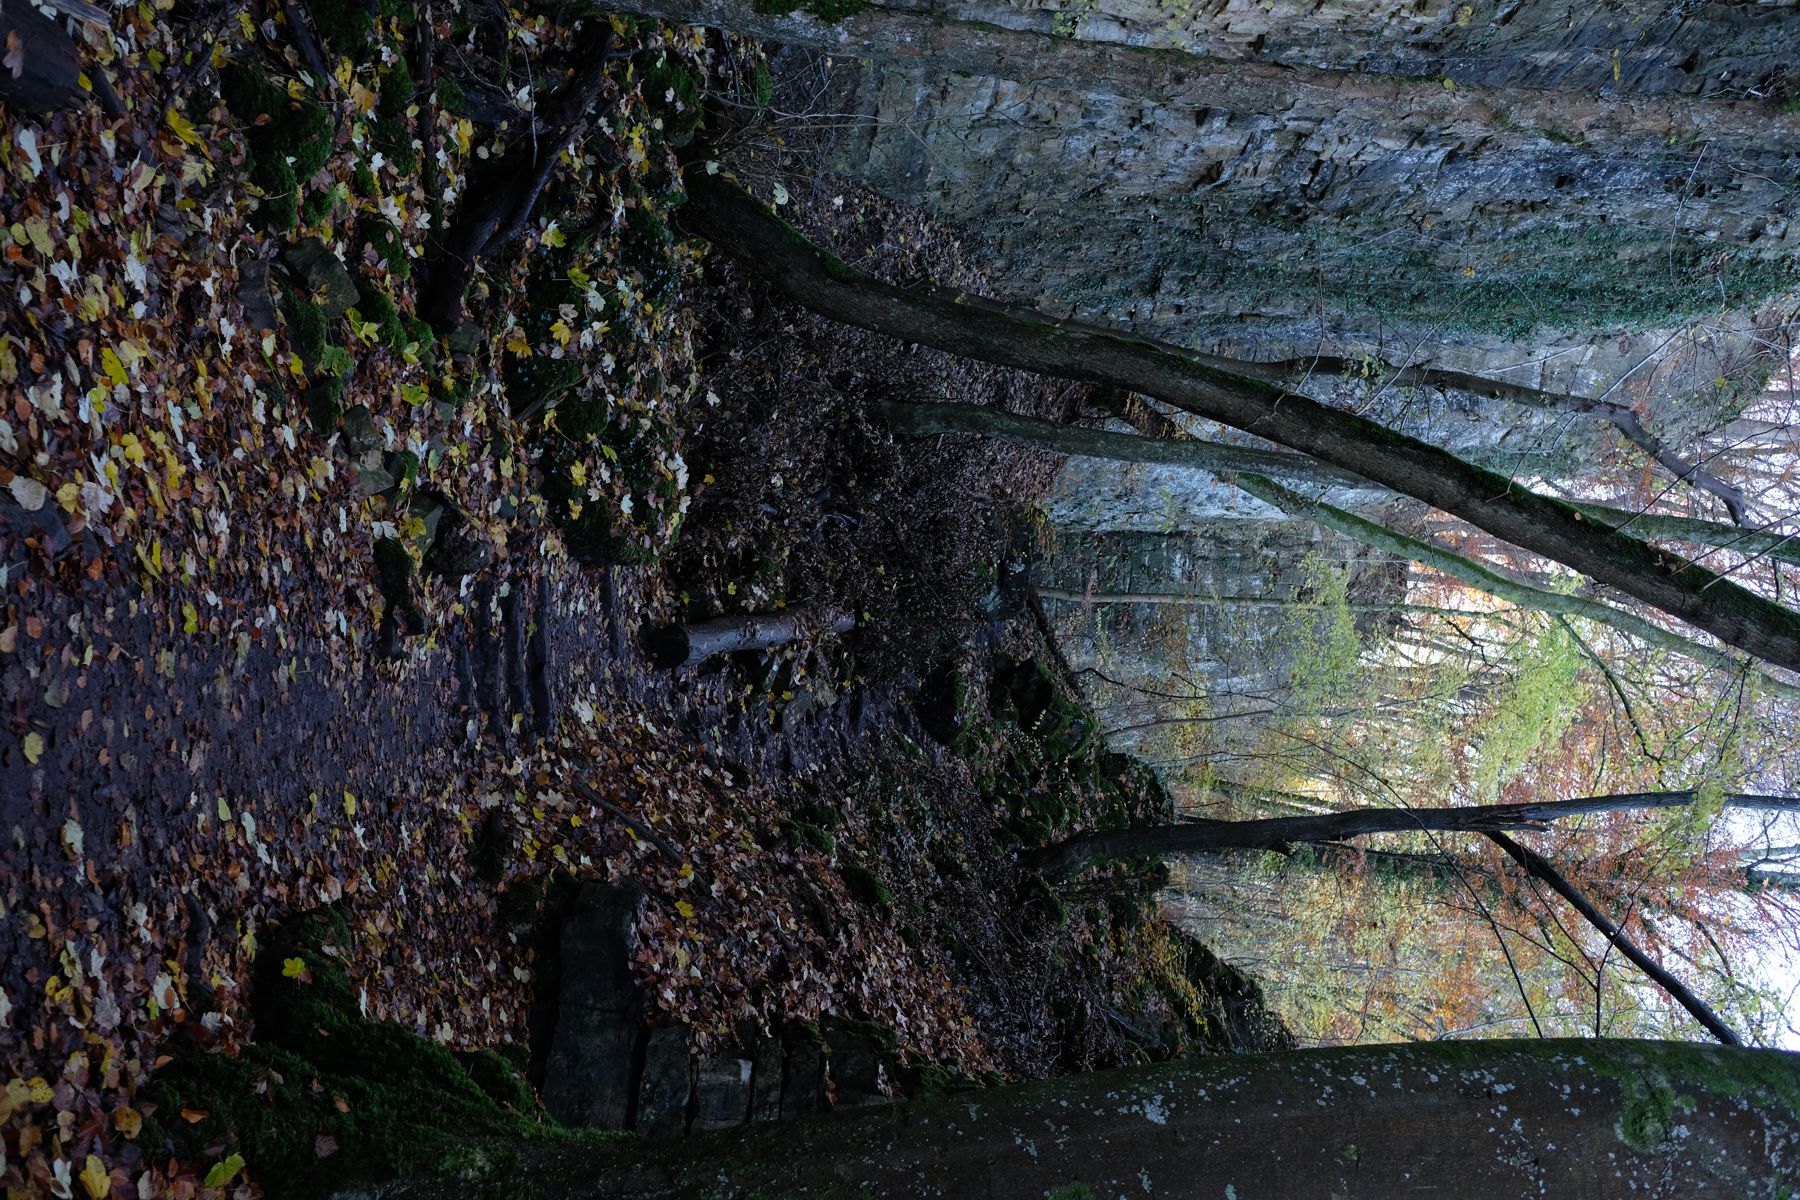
{"x":325,"y":1097}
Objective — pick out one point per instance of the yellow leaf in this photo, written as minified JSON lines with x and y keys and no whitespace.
{"x":87,"y":85}
{"x":190,"y":617}
{"x":38,"y":230}
{"x":127,"y":1120}
{"x":115,"y":370}
{"x":296,"y":90}
{"x":561,"y":332}
{"x":685,"y":909}
{"x":184,"y":128}
{"x":293,"y":968}
{"x":349,"y":805}
{"x":554,"y":236}
{"x":34,"y":747}
{"x":68,"y":496}
{"x":94,"y":1178}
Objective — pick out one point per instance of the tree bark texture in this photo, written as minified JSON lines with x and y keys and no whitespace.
{"x":678,"y":646}
{"x":1492,"y":1120}
{"x":928,"y":419}
{"x":742,"y":226}
{"x":1279,"y":833}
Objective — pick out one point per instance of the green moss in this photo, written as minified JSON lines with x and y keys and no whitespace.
{"x":1587,"y":279}
{"x":393,"y":137}
{"x":762,"y":87}
{"x":673,"y":94}
{"x":867,"y":886}
{"x":363,"y":182}
{"x":275,"y":180}
{"x":325,"y":406}
{"x":807,"y":834}
{"x":394,"y":573}
{"x":882,"y":1037}
{"x":397,"y":90}
{"x":307,"y":328}
{"x":286,"y":148}
{"x":345,"y":25}
{"x":1070,"y":1191}
{"x":385,"y":238}
{"x":373,"y":304}
{"x":389,"y":1103}
{"x":451,"y":94}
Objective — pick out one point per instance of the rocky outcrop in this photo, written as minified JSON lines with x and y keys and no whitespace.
{"x":604,"y":1068}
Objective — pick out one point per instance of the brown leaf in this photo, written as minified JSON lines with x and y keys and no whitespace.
{"x":324,"y":1145}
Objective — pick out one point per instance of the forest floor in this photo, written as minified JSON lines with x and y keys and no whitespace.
{"x":222,"y":712}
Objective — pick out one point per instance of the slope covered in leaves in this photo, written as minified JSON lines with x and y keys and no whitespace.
{"x":245,"y":678}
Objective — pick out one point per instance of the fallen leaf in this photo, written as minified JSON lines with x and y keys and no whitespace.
{"x":127,"y":1120}
{"x":34,"y":747}
{"x":95,"y":1179}
{"x":293,"y":968}
{"x":29,"y":493}
{"x":223,"y":1171}
{"x":324,"y":1146}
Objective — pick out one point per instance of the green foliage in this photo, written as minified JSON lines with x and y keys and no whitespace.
{"x":1326,"y":648}
{"x":1532,"y":711}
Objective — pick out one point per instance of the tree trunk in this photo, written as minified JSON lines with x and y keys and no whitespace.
{"x":1491,"y":1120}
{"x":1278,"y":833}
{"x":740,"y":225}
{"x":48,"y":77}
{"x":676,"y":646}
{"x":928,"y":419}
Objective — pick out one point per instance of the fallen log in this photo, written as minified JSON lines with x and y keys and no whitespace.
{"x":676,"y":646}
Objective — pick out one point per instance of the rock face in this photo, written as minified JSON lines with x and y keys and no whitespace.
{"x":605,"y":1069}
{"x":589,"y":1076}
{"x":1310,"y":168}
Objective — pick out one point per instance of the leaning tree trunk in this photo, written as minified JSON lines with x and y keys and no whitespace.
{"x":1280,"y":833}
{"x":925,"y":419}
{"x":1478,"y":1121}
{"x":739,"y":224}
